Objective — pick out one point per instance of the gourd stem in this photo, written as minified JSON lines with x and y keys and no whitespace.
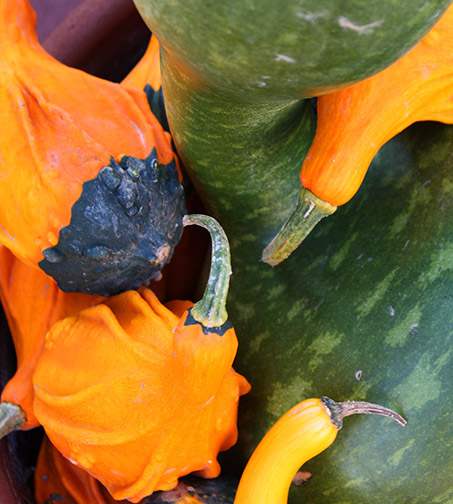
{"x":344,"y":409}
{"x":309,"y":211}
{"x":12,"y":417}
{"x":211,"y":309}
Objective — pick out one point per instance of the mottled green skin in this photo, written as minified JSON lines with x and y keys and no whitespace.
{"x":249,"y":144}
{"x":370,"y":290}
{"x":268,"y":49}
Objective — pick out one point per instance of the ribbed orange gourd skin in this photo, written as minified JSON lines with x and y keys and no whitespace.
{"x":32,"y":303}
{"x":55,"y":475}
{"x":60,"y":127}
{"x":355,"y":122}
{"x":129,"y":393}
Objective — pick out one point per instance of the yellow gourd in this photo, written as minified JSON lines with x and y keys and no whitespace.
{"x":303,"y":432}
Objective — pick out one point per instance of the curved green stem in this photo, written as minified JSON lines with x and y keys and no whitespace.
{"x":12,"y":417}
{"x":309,"y":211}
{"x":210,"y":310}
{"x":344,"y":409}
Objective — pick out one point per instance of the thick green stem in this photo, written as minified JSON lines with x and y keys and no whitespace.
{"x":210,"y":310}
{"x":344,"y":409}
{"x":309,"y":211}
{"x":12,"y":417}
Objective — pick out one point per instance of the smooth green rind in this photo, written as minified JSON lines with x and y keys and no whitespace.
{"x":269,"y":50}
{"x":12,"y":417}
{"x":250,"y":146}
{"x":371,"y":290}
{"x":309,"y":211}
{"x":211,"y":309}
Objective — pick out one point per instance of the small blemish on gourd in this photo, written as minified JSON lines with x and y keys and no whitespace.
{"x":301,"y":478}
{"x":284,"y":58}
{"x":399,"y":335}
{"x":367,"y":29}
{"x":365,"y":306}
{"x":311,"y":17}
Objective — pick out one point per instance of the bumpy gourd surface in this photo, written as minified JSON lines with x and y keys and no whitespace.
{"x":123,"y":228}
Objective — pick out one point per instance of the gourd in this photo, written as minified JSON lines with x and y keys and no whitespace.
{"x":269,"y":51}
{"x":147,"y":71}
{"x":144,"y":395}
{"x":354,"y":123}
{"x":235,"y":97}
{"x":32,"y":303}
{"x":146,"y":75}
{"x":98,"y":189}
{"x":303,"y":432}
{"x":370,"y":292}
{"x":56,"y":479}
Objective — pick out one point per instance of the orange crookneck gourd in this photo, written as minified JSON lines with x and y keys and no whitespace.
{"x":303,"y":432}
{"x":138,"y":395}
{"x":355,"y":122}
{"x":98,"y":188}
{"x":32,"y":303}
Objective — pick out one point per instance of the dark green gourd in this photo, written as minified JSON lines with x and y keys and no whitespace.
{"x":123,"y":228}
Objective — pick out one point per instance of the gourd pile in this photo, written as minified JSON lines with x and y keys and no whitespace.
{"x":135,"y":388}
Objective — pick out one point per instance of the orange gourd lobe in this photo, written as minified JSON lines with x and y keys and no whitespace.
{"x":64,"y":126}
{"x":353,"y":123}
{"x":32,"y":303}
{"x":129,"y":393}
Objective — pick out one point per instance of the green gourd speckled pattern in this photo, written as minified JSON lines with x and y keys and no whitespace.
{"x":287,"y":50}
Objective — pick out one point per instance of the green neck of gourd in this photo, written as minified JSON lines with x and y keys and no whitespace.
{"x":12,"y":417}
{"x":243,"y":155}
{"x":309,"y":211}
{"x":211,"y":309}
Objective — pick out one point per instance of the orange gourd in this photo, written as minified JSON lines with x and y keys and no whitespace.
{"x":64,"y":126}
{"x":147,"y":70}
{"x":32,"y":303}
{"x":56,"y":478}
{"x":147,"y":75}
{"x":354,"y":122}
{"x":138,"y":395}
{"x":303,"y":432}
